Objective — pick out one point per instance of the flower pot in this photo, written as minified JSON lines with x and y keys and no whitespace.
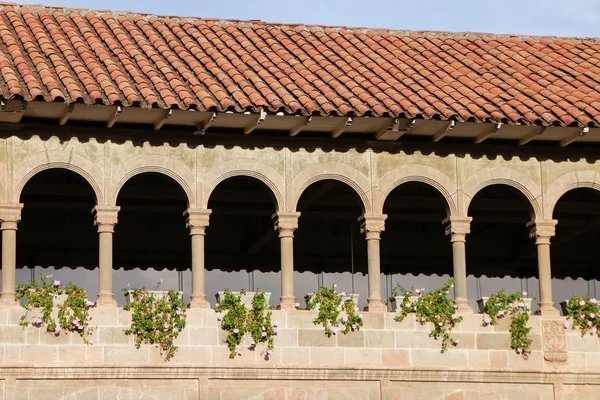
{"x":155,"y":293}
{"x":397,"y":301}
{"x":246,"y":298}
{"x":563,"y":306}
{"x":57,"y":300}
{"x":354,"y":298}
{"x":483,"y":301}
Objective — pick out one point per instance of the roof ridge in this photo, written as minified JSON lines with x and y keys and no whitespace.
{"x":273,"y":23}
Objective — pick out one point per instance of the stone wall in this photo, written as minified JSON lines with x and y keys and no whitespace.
{"x":384,"y":360}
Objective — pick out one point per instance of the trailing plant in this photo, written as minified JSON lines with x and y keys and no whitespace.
{"x":331,"y":305}
{"x":156,"y":319}
{"x":583,"y":313}
{"x":406,"y":294}
{"x":500,"y":305}
{"x":434,"y":307}
{"x":237,"y":320}
{"x":73,"y":313}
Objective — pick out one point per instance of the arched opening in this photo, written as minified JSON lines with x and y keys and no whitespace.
{"x":328,"y":246}
{"x":150,"y":239}
{"x":574,"y":259}
{"x":241,"y":246}
{"x":414,"y":248}
{"x":500,"y":254}
{"x":56,"y":235}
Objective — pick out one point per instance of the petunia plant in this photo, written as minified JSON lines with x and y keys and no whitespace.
{"x":331,"y":305}
{"x":237,"y":320}
{"x":583,"y":314}
{"x":501,"y":305}
{"x":156,"y":319}
{"x":433,"y":307}
{"x":39,"y":295}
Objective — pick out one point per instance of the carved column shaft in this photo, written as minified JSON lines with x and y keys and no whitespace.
{"x":542,"y":231}
{"x":10,"y":215}
{"x":458,"y":228}
{"x":105,"y":218}
{"x":372,"y":226}
{"x":286,"y":223}
{"x":197,"y":221}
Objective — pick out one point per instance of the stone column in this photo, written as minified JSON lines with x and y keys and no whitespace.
{"x":458,"y":228}
{"x":197,"y":221}
{"x":372,"y":226}
{"x":286,"y":223}
{"x":105,"y":219}
{"x":10,"y":215}
{"x":542,"y":231}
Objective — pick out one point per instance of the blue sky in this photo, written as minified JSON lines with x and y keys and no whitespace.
{"x":536,"y":17}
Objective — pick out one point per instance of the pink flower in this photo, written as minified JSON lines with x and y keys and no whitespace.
{"x":333,"y":329}
{"x":343,"y":294}
{"x":178,"y":312}
{"x":56,"y":283}
{"x":264,"y":334}
{"x":360,"y":316}
{"x":297,"y":305}
{"x":589,"y":323}
{"x":439,"y":323}
{"x":89,"y":303}
{"x":566,"y":325}
{"x":217,"y":305}
{"x":239,"y":353}
{"x":417,"y":291}
{"x":91,"y":342}
{"x":344,"y":319}
{"x":452,"y":285}
{"x":269,"y":352}
{"x":593,"y":300}
{"x":236,"y":330}
{"x":594,"y":330}
{"x":456,"y":341}
{"x":166,"y":326}
{"x":263,"y":328}
{"x":275,"y":324}
{"x":454,"y":316}
{"x":219,"y":317}
{"x":592,"y":315}
{"x":487,"y":321}
{"x":251,"y":341}
{"x":48,"y":276}
{"x":582,"y":303}
{"x":524,"y":293}
{"x":521,"y":304}
{"x":500,"y":313}
{"x":335,"y":285}
{"x":57,"y":329}
{"x":519,"y":350}
{"x":353,"y":327}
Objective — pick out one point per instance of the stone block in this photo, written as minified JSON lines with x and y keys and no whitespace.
{"x":395,"y":358}
{"x":280,"y":317}
{"x":466,"y":340}
{"x":351,"y":339}
{"x":301,"y":319}
{"x":195,"y":317}
{"x":416,"y":340}
{"x":210,"y":318}
{"x":205,"y":336}
{"x":104,"y":316}
{"x":499,"y":359}
{"x":125,"y":354}
{"x":363,"y":357}
{"x":4,"y":315}
{"x":72,"y":354}
{"x":587,"y":343}
{"x":503,"y":325}
{"x":183,"y":338}
{"x":408,"y":323}
{"x":199,"y":356}
{"x":220,"y":357}
{"x":12,"y":353}
{"x":294,"y":356}
{"x":114,"y":335}
{"x":327,"y":356}
{"x":493,"y":341}
{"x":473,"y":323}
{"x":33,"y":334}
{"x":534,"y":362}
{"x":39,"y":354}
{"x":92,"y":337}
{"x":315,"y":338}
{"x":45,"y":337}
{"x":286,"y":337}
{"x":479,"y":359}
{"x":592,"y":361}
{"x":124,"y":318}
{"x":373,"y":320}
{"x":452,"y":358}
{"x":13,"y":334}
{"x":95,"y":354}
{"x":380,"y":339}
{"x":15,"y":314}
{"x":535,"y":322}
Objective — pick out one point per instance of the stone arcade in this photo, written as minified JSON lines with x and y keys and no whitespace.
{"x":458,"y":154}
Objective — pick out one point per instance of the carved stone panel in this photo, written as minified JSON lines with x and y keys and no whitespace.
{"x":554,"y":341}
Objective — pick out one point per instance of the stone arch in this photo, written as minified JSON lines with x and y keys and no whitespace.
{"x":71,"y":161}
{"x":503,"y":176}
{"x":245,"y":167}
{"x":336,"y":171}
{"x":567,"y":182}
{"x":174,"y":169}
{"x":416,"y":173}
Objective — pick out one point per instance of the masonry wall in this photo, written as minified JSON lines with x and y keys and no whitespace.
{"x":384,"y":360}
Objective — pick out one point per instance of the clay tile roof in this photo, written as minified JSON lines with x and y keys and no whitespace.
{"x":132,"y":59}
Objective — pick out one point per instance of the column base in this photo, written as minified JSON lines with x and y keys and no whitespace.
{"x":8,"y":300}
{"x":463,"y":307}
{"x":545,"y":309}
{"x":287,"y":303}
{"x":106,"y":300}
{"x":199,"y":302}
{"x":376,"y":305}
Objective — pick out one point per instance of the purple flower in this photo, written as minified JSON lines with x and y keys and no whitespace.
{"x":524,"y":293}
{"x":57,"y":329}
{"x":269,"y":352}
{"x":566,"y":325}
{"x":582,"y":303}
{"x":353,"y":327}
{"x":333,"y":329}
{"x":344,"y":319}
{"x":519,"y":350}
{"x":56,"y":283}
{"x":487,"y":321}
{"x":264,"y":334}
{"x":236,"y":330}
{"x":251,"y":342}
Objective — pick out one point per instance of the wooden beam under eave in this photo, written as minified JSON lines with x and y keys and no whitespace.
{"x":114,"y":118}
{"x":257,"y":120}
{"x":567,"y":141}
{"x":64,"y":117}
{"x":159,"y":124}
{"x":488,"y":132}
{"x":441,"y":134}
{"x":300,"y":125}
{"x":532,"y":135}
{"x":337,"y":132}
{"x":12,"y":111}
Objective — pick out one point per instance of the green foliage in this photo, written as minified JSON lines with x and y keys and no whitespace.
{"x":73,"y":314}
{"x":156,"y":319}
{"x":236,"y":319}
{"x":331,"y":305}
{"x":502,"y":304}
{"x":433,"y":307}
{"x":583,"y":312}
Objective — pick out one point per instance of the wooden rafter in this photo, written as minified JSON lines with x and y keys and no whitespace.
{"x":300,"y":125}
{"x":337,"y":132}
{"x":158,"y":124}
{"x":257,"y":120}
{"x":488,"y":132}
{"x":66,"y":114}
{"x":441,"y":134}
{"x":532,"y":135}
{"x":568,"y":140}
{"x":114,"y":117}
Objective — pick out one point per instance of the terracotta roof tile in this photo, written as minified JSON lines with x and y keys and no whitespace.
{"x":124,"y":58}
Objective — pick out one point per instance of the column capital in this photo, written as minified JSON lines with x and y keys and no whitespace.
{"x":372,"y":223}
{"x":105,"y":217}
{"x":10,"y":215}
{"x":285,"y":222}
{"x":197,"y":220}
{"x":457,"y":226}
{"x":542,"y":229}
